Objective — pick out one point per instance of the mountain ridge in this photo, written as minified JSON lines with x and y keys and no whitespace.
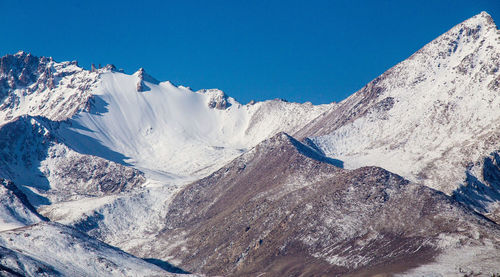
{"x":402,"y":177}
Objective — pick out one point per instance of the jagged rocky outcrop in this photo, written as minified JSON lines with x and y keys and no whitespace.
{"x":217,"y":99}
{"x":284,"y":209}
{"x":23,"y":69}
{"x":142,"y":78}
{"x":40,"y":86}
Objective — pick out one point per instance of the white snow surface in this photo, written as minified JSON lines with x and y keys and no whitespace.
{"x":445,"y":112}
{"x":170,"y":132}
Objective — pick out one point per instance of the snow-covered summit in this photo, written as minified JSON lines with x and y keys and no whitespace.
{"x":427,"y":117}
{"x":483,"y":18}
{"x":22,"y":68}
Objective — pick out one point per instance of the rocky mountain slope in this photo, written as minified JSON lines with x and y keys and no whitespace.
{"x":282,"y":209}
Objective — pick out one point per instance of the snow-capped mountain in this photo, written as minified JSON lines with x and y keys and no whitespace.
{"x":124,"y":162}
{"x":428,"y":118}
{"x":74,"y":141}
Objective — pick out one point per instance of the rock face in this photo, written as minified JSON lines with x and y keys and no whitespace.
{"x":481,"y":189}
{"x":283,"y":209}
{"x":217,"y":99}
{"x":22,"y":69}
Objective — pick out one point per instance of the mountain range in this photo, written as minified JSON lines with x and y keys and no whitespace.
{"x":105,"y":173}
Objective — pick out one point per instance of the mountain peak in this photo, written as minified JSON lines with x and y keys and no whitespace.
{"x":37,"y":85}
{"x":481,"y":21}
{"x":436,"y":101}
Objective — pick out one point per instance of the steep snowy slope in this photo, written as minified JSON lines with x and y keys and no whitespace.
{"x":51,"y":249}
{"x":172,"y":131}
{"x":15,"y":209}
{"x":428,"y":117}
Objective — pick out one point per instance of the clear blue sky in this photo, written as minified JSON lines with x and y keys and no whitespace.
{"x":318,"y":51}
